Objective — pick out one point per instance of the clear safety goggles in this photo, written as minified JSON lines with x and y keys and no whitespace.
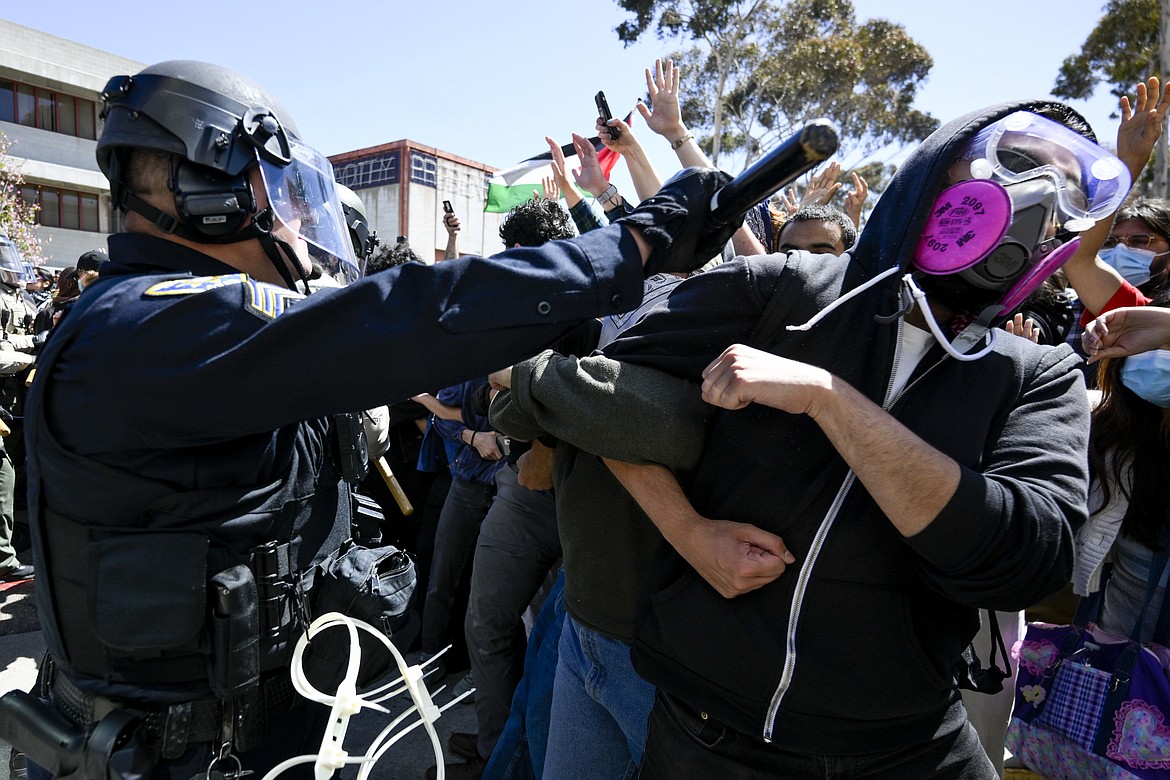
{"x":304,"y":199}
{"x":1090,"y":182}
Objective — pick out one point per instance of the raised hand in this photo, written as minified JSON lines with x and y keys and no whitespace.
{"x":1024,"y":327}
{"x":822,"y":186}
{"x":551,"y":190}
{"x":560,"y":175}
{"x":788,"y":201}
{"x":1127,"y":331}
{"x":855,"y":199}
{"x":589,"y":176}
{"x":1141,"y":125}
{"x":624,"y":143}
{"x":663,"y":87}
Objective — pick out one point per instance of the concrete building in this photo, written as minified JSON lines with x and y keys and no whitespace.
{"x":49,"y":103}
{"x":403,"y":185}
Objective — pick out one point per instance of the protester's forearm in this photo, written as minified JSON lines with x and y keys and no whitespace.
{"x":1094,"y":281}
{"x":570,"y":194}
{"x":658,"y":493}
{"x":646,"y":179}
{"x":690,"y":154}
{"x":438,"y":408}
{"x":745,"y":243}
{"x":910,"y":480}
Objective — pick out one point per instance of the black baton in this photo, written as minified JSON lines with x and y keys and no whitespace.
{"x":814,"y":143}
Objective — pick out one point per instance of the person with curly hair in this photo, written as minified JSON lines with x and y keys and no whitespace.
{"x":534,"y":222}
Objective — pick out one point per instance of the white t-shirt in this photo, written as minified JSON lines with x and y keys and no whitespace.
{"x":915,"y":343}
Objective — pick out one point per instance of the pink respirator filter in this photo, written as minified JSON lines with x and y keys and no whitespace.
{"x":968,"y":221}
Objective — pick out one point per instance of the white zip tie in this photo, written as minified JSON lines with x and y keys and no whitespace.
{"x":347,"y":702}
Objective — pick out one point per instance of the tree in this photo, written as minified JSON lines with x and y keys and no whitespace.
{"x":1124,"y":48}
{"x":18,"y":219}
{"x":760,"y":70}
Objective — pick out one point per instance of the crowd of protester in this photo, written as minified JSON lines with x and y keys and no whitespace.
{"x":582,"y":703}
{"x":505,"y":486}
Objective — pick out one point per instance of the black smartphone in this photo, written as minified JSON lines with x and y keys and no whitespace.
{"x":603,"y":112}
{"x":447,"y":207}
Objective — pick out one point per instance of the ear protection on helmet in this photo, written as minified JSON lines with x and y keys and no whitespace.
{"x":213,"y":204}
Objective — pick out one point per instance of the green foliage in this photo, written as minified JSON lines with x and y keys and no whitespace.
{"x":18,"y":220}
{"x":758,"y":71}
{"x":1122,"y":50}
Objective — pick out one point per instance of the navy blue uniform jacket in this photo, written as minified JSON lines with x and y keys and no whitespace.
{"x":182,"y":398}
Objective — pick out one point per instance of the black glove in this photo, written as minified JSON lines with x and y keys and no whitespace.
{"x":675,"y":222}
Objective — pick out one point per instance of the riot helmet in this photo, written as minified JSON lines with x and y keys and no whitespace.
{"x":13,"y":270}
{"x":216,"y":128}
{"x":361,"y":236}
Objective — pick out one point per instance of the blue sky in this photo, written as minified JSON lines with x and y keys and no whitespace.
{"x":487,"y":80}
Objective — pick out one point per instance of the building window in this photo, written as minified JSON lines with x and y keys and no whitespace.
{"x":50,"y":213}
{"x":423,"y":168}
{"x":7,"y":101}
{"x":26,"y":105}
{"x":48,"y":110}
{"x":66,"y":114}
{"x":64,"y":208}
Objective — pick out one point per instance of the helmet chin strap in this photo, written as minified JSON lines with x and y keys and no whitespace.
{"x":278,"y":251}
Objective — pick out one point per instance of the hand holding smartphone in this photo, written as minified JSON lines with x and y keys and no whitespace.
{"x":447,"y":207}
{"x":603,"y":112}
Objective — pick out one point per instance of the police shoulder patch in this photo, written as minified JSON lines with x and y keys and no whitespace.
{"x":194,"y":285}
{"x":269,"y":300}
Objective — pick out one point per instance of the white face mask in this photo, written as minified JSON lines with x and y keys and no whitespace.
{"x":1148,"y":375}
{"x":1132,"y":264}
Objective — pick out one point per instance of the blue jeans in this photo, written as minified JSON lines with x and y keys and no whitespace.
{"x":685,"y":743}
{"x":600,"y":708}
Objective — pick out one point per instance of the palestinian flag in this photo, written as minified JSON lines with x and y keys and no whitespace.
{"x":511,"y":187}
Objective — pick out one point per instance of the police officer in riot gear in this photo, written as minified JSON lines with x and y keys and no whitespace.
{"x":174,"y":523}
{"x":17,"y":357}
{"x":361,"y":234}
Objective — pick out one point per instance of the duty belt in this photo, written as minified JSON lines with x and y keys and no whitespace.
{"x":191,"y":722}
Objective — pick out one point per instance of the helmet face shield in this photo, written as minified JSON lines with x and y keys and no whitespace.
{"x":1089,"y":182}
{"x":304,"y":200}
{"x":13,"y":270}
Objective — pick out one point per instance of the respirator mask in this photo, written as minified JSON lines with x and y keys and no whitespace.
{"x":1025,"y":186}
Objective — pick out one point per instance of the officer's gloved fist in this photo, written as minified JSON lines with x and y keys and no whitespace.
{"x":675,"y":222}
